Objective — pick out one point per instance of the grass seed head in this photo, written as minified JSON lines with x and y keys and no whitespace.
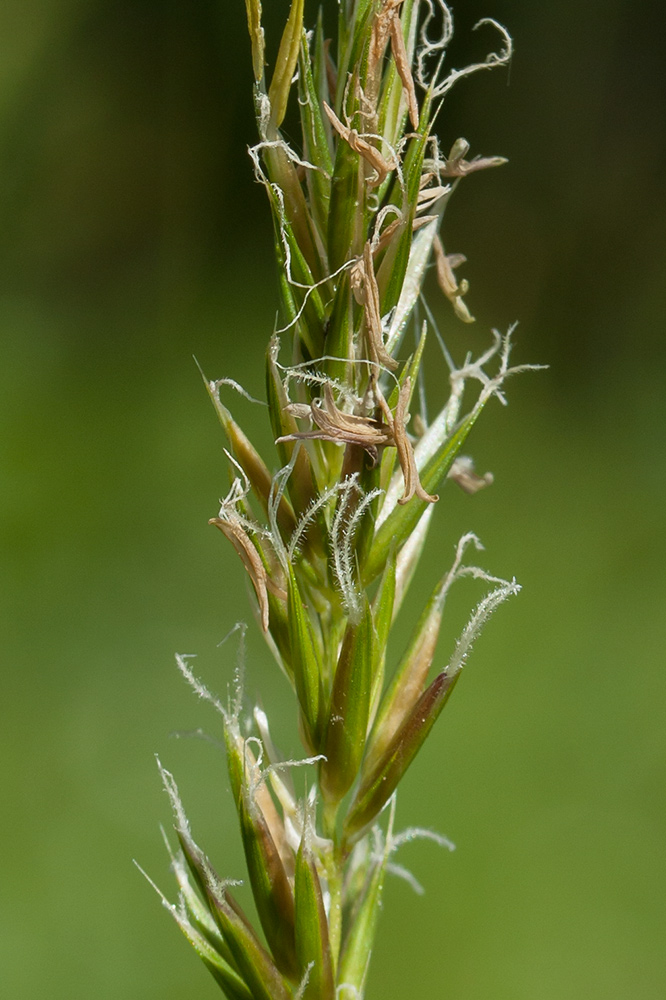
{"x":332,"y":540}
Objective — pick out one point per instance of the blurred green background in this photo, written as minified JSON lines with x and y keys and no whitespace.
{"x":132,"y":237}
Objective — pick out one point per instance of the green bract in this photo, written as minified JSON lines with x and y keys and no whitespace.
{"x":331,"y":540}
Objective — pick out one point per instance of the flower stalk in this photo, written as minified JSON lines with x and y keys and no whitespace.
{"x":331,"y":541}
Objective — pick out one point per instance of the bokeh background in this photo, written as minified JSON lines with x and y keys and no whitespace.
{"x":132,"y":238}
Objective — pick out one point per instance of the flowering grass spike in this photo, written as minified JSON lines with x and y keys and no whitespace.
{"x":331,"y":540}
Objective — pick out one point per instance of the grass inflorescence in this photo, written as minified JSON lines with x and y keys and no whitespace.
{"x":331,"y":541}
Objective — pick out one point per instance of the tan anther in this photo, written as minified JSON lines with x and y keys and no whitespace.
{"x":369,"y":153}
{"x":381,"y":29}
{"x":387,"y":25}
{"x":332,"y":424}
{"x":390,"y":231}
{"x":404,"y":69}
{"x":446,"y":279}
{"x":397,"y":421}
{"x":377,"y":353}
{"x":457,"y":166}
{"x":462,"y":472}
{"x":298,"y":410}
{"x":428,"y":196}
{"x":232,"y":527}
